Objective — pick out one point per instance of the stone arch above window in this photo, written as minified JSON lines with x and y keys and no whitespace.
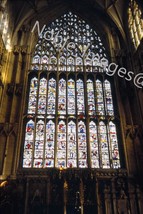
{"x":70,"y":101}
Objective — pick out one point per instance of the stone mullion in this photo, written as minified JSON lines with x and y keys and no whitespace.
{"x":114,"y":199}
{"x":97,"y":195}
{"x":107,"y":198}
{"x":5,"y":158}
{"x":23,"y":79}
{"x":132,"y":198}
{"x":139,"y":199}
{"x":26,"y":197}
{"x":65,"y":195}
{"x":56,"y":116}
{"x":81,"y":188}
{"x":48,"y":193}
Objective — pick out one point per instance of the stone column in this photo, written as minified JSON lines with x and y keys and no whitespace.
{"x":107,"y":196}
{"x":65,"y":196}
{"x":81,"y":195}
{"x":114,"y":196}
{"x":139,"y":200}
{"x":26,"y":197}
{"x":132,"y":197}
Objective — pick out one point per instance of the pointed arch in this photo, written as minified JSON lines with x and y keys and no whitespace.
{"x":69,"y":100}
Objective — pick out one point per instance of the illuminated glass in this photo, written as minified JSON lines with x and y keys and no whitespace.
{"x":51,"y":96}
{"x":72,"y":146}
{"x":82,"y":145}
{"x":42,"y":96}
{"x":80,"y":97}
{"x":71,"y":96}
{"x":62,"y":97}
{"x":50,"y":144}
{"x":72,"y":121}
{"x":33,"y":96}
{"x":61,"y":144}
{"x":135,"y":23}
{"x":90,"y":95}
{"x":94,"y":147}
{"x":108,"y":98}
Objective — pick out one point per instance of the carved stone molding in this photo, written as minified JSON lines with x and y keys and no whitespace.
{"x":20,"y":49}
{"x":73,"y":173}
{"x":18,"y":89}
{"x":13,"y":88}
{"x":8,"y":128}
{"x":16,"y":49}
{"x":24,"y":49}
{"x":133,"y":131}
{"x":10,"y":89}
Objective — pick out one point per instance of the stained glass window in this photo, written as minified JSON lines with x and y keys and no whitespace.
{"x":80,"y":97}
{"x":108,"y":98}
{"x":94,"y":147}
{"x":82,"y":146}
{"x":39,"y":144}
{"x":99,"y":98}
{"x":90,"y":95}
{"x":104,"y":146}
{"x":72,"y":145}
{"x":114,"y":145}
{"x":135,"y":23}
{"x":33,"y":96}
{"x":51,"y":96}
{"x":50,"y":144}
{"x":28,"y":144}
{"x":42,"y":96}
{"x":70,"y":100}
{"x":62,"y":97}
{"x":71,"y":96}
{"x":61,"y":144}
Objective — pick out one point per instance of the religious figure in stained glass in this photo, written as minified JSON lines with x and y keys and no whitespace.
{"x":70,"y":112}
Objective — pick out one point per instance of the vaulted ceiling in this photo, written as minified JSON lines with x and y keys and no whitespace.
{"x":114,"y":11}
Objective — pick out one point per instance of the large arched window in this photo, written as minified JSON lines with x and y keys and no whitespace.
{"x":135,"y":22}
{"x":70,"y":115}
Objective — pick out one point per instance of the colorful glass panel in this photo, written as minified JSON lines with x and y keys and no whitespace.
{"x":61,"y":144}
{"x":33,"y":96}
{"x":51,"y":96}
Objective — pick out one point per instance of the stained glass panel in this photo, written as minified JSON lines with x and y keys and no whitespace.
{"x":72,"y":146}
{"x":71,"y":96}
{"x":90,"y":97}
{"x":42,"y":96}
{"x":33,"y":96}
{"x":108,"y":98}
{"x":61,"y":144}
{"x":28,"y":144}
{"x":39,"y":144}
{"x":82,"y":146}
{"x":104,"y":146}
{"x":114,"y":145}
{"x":135,"y":23}
{"x":51,"y":96}
{"x":62,"y":97}
{"x":99,"y":98}
{"x":80,"y":97}
{"x":50,"y":144}
{"x":94,"y":150}
{"x":69,"y":100}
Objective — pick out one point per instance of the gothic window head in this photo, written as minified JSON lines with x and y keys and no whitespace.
{"x":70,"y":112}
{"x":135,"y":23}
